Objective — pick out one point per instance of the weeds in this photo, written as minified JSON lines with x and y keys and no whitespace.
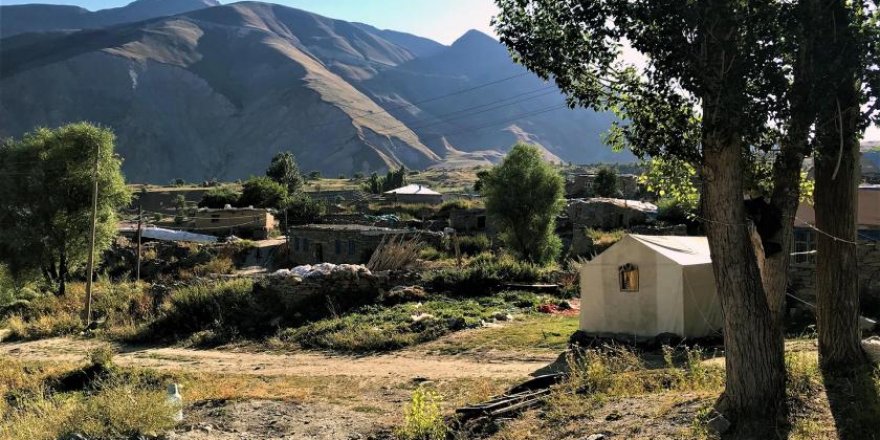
{"x":422,"y":418}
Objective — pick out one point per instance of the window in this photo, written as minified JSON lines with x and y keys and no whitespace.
{"x":296,"y":243}
{"x":804,"y":246}
{"x":338,"y":247}
{"x":215,"y":218}
{"x":629,"y":278}
{"x":305,"y":244}
{"x":351,"y":247}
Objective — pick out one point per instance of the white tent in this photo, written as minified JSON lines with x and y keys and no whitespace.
{"x":643,"y":286}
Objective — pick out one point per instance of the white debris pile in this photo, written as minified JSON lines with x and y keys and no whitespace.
{"x":323,"y":270}
{"x":872,"y":348}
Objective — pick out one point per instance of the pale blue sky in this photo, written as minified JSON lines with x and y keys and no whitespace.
{"x":440,"y":20}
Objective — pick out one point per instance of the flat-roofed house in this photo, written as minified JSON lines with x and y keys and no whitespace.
{"x":414,"y":193}
{"x":256,"y":223}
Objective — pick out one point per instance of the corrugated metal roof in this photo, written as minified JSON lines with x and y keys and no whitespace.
{"x":683,"y":250}
{"x":414,"y":189}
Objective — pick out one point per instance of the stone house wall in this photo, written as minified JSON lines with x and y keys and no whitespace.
{"x":802,"y":271}
{"x":353,"y":244}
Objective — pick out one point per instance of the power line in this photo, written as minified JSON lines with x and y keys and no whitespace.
{"x":436,"y":98}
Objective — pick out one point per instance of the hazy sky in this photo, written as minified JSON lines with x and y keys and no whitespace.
{"x":439,"y":20}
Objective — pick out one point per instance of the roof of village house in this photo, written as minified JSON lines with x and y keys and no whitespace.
{"x":622,"y":203}
{"x":414,"y":189}
{"x":229,"y":208}
{"x":683,"y":250}
{"x":361,"y":229}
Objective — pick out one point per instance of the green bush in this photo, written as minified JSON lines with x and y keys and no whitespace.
{"x":672,"y":211}
{"x":220,"y":197}
{"x":226,"y":308}
{"x":422,"y":418}
{"x":484,"y":274}
{"x":474,"y":244}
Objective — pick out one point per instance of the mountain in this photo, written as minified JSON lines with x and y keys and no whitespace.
{"x":18,"y":19}
{"x":217,"y":91}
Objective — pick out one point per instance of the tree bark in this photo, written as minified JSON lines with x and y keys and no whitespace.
{"x":62,"y":273}
{"x":836,"y":196}
{"x":754,"y":394}
{"x":755,"y":387}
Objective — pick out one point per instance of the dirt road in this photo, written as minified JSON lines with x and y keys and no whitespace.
{"x":401,"y":364}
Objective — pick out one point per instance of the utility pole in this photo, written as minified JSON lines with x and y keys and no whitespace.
{"x":140,"y":224}
{"x":287,"y":235}
{"x":91,"y":261}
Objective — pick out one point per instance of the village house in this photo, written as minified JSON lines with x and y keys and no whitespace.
{"x":416,"y":194}
{"x":644,"y":286}
{"x":802,"y":272}
{"x":344,"y":243}
{"x":250,"y":222}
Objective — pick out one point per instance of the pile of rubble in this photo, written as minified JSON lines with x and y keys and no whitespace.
{"x":324,"y":270}
{"x":315,"y":291}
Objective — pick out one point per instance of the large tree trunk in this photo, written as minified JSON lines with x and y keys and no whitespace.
{"x":836,"y":196}
{"x":754,"y":394}
{"x":753,"y":345}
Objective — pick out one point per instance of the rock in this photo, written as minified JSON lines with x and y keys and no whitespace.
{"x":564,"y":305}
{"x":501,"y":316}
{"x":718,"y":424}
{"x":596,"y":437}
{"x":613,"y":416}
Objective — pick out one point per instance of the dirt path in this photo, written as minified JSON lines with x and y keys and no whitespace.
{"x":405,"y":364}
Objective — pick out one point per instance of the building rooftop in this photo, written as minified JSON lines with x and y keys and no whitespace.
{"x":683,"y":250}
{"x":414,"y":189}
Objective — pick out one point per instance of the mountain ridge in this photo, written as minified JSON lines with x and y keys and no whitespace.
{"x":215,"y":92}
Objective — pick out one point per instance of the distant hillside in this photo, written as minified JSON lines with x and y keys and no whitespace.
{"x":17,"y":19}
{"x":215,"y":92}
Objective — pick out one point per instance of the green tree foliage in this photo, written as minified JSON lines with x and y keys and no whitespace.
{"x":303,"y":209}
{"x":314,"y":175}
{"x":284,"y":170}
{"x":46,"y":189}
{"x":219,"y":197}
{"x":606,"y":184}
{"x":524,"y":195}
{"x":478,"y":185}
{"x":263,"y":192}
{"x":392,"y":180}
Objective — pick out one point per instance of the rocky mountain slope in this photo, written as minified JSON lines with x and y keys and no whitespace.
{"x":216,"y":91}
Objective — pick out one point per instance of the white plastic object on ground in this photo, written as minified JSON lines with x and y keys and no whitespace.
{"x":176,"y":401}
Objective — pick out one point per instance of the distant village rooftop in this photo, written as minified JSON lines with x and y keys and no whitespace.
{"x":414,"y":189}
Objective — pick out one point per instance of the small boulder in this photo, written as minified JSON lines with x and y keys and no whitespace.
{"x":718,"y":424}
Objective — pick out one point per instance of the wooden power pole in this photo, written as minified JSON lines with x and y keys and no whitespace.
{"x":140,"y":225}
{"x":91,"y":260}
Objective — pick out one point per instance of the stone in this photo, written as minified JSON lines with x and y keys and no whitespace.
{"x":718,"y":424}
{"x":596,"y":437}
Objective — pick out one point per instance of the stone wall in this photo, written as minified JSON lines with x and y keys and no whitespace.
{"x":343,"y":243}
{"x":802,"y":278}
{"x":605,"y":213}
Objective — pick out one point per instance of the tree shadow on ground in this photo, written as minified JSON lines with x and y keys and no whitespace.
{"x":855,"y":403}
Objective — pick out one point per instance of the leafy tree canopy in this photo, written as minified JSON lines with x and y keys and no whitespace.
{"x":46,"y":184}
{"x":284,"y":170}
{"x":263,"y":192}
{"x":219,"y":197}
{"x":524,"y":195}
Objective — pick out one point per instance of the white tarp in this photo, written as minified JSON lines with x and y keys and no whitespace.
{"x":174,"y":235}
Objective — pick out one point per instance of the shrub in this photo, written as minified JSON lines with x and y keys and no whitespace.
{"x":606,"y":184}
{"x":220,"y":197}
{"x":262,"y":192}
{"x":484,"y":274}
{"x":422,"y":418}
{"x":226,"y":307}
{"x":672,"y":211}
{"x":474,"y":244}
